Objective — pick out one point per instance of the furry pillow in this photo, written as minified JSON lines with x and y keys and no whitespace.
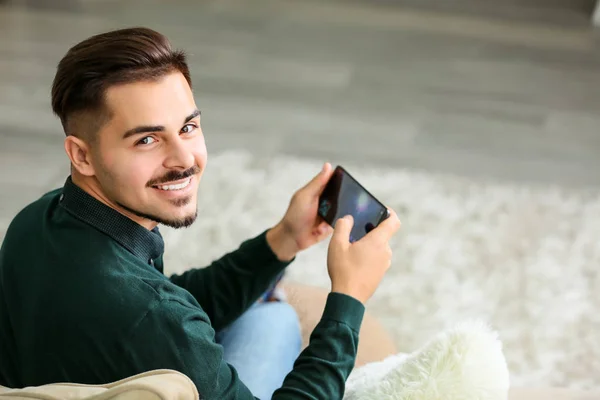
{"x":464,"y":363}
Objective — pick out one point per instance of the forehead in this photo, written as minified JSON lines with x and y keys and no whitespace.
{"x":164,"y":101}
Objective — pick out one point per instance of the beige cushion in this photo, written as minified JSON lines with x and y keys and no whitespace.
{"x":152,"y":385}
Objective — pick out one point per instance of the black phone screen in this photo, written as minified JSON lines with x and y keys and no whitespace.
{"x":343,"y":195}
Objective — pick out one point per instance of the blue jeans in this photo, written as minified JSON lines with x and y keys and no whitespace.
{"x":262,"y":346}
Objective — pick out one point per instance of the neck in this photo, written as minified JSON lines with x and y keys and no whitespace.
{"x":91,"y":186}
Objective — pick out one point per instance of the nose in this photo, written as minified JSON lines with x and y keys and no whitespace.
{"x":180,"y":155}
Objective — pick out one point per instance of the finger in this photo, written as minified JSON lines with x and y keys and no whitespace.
{"x":317,"y":184}
{"x":323,"y":226}
{"x":388,"y":227}
{"x":326,"y":230}
{"x":319,"y":230}
{"x":324,"y":233}
{"x":342,"y":230}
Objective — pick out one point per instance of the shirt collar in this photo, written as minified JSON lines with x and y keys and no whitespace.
{"x":145,"y":244}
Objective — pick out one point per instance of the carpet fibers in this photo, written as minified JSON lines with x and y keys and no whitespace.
{"x":523,"y":258}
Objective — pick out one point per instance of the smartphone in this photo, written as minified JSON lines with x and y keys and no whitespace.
{"x":343,"y":195}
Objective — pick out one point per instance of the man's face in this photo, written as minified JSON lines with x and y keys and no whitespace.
{"x":150,"y":157}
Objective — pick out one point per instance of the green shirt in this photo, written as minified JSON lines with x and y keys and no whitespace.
{"x":83,"y":299}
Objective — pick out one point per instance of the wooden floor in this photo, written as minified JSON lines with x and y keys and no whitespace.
{"x":491,"y":90}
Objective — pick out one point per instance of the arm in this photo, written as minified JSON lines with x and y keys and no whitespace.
{"x":178,"y":336}
{"x":230,"y":285}
{"x":321,"y":370}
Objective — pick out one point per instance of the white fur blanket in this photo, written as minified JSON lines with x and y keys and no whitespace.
{"x":464,"y":363}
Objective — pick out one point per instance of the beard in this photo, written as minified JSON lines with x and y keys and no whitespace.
{"x":177,"y":223}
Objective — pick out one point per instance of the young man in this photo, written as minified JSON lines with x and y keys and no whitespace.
{"x":84,"y":298}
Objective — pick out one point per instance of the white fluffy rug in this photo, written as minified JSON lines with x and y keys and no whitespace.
{"x":462,"y":363}
{"x":523,"y":258}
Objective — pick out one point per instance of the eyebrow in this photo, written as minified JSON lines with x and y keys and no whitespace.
{"x":156,"y":128}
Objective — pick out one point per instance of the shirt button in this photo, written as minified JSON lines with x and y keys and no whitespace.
{"x":152,"y":262}
{"x":62,"y":196}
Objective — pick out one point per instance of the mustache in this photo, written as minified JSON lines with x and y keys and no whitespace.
{"x":175,"y":176}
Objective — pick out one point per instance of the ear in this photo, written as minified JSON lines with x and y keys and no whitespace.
{"x":79,"y":154}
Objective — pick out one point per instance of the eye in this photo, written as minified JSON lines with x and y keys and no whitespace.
{"x":189,"y":128}
{"x":145,"y":141}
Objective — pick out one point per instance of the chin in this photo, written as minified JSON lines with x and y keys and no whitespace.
{"x":181,"y":221}
{"x":176,"y":214}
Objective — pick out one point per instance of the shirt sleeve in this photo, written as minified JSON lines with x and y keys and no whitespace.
{"x":231,"y":284}
{"x":175,"y":335}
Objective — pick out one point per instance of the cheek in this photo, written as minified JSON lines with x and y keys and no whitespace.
{"x":130,"y":172}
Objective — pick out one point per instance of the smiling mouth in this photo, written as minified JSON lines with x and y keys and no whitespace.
{"x":179,"y":185}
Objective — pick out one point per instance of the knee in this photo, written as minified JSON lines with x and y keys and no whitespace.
{"x":282,"y":314}
{"x":282,"y":318}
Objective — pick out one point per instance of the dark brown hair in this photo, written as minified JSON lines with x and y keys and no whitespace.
{"x":117,"y":57}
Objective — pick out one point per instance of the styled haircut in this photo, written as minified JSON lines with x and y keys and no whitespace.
{"x":117,"y":57}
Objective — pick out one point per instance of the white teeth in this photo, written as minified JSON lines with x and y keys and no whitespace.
{"x":175,"y":187}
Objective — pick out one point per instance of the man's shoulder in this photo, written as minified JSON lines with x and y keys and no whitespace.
{"x":31,"y":217}
{"x":35,"y":209}
{"x":44,"y":234}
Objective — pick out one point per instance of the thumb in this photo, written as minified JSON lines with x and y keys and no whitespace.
{"x":342,"y":230}
{"x":317,"y":184}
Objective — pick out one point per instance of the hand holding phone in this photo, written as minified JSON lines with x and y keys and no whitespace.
{"x":356,"y":269}
{"x":359,"y":253}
